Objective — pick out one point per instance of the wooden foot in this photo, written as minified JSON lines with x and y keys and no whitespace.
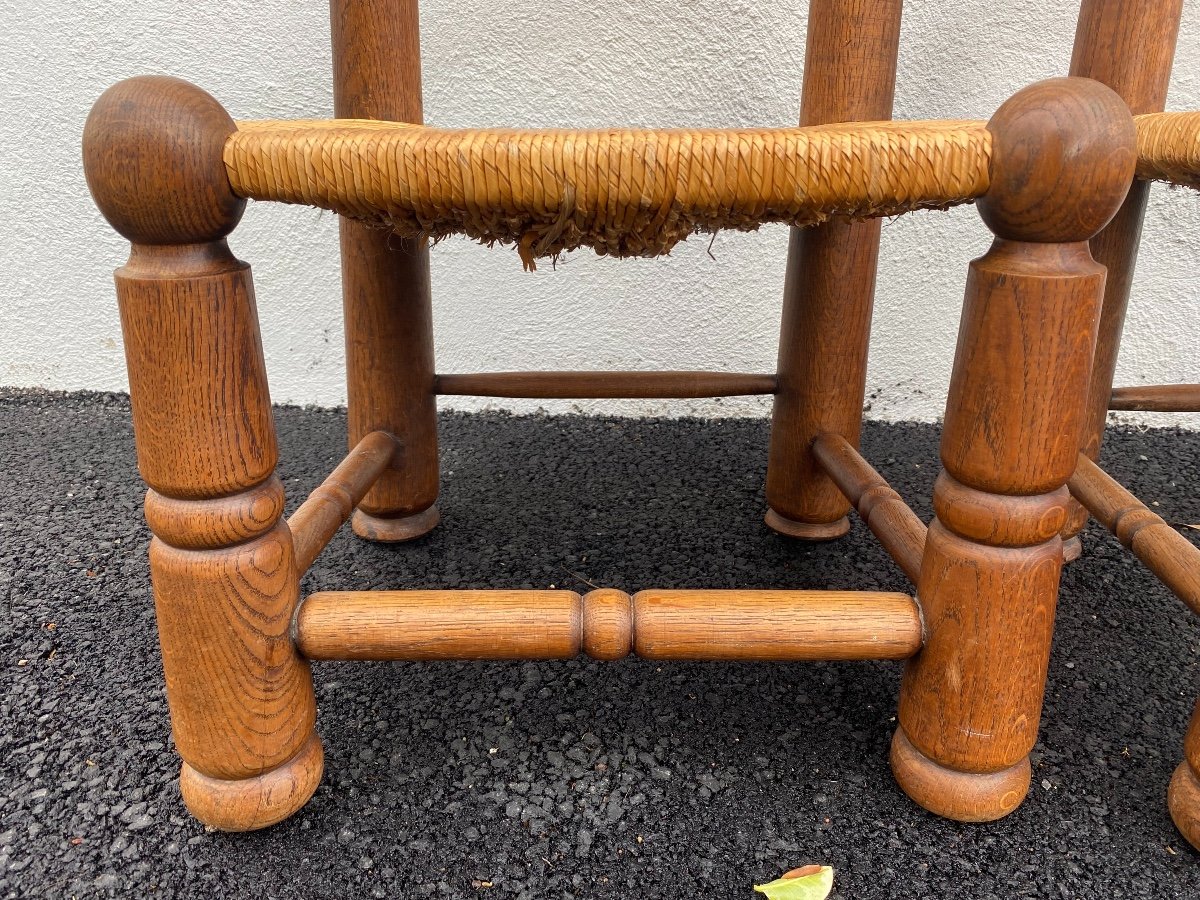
{"x":971,"y":700}
{"x":1072,"y":549}
{"x":807,"y":531}
{"x":1183,"y":796}
{"x":247,"y":804}
{"x":222,"y":560}
{"x":1183,"y":799}
{"x":962,"y":796}
{"x":395,"y":530}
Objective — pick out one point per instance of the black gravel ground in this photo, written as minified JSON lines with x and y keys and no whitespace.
{"x":567,"y":779}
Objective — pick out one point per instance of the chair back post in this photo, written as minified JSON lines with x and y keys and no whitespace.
{"x":829,"y":288}
{"x":1128,"y":45}
{"x":385,"y":280}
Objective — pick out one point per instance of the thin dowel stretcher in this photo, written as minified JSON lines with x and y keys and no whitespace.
{"x":605,"y":385}
{"x":328,"y":507}
{"x":898,"y":528}
{"x":1157,"y":398}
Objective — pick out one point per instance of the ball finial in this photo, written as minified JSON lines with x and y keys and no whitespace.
{"x":1063,"y":156}
{"x":152,"y":153}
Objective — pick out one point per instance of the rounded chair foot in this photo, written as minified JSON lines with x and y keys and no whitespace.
{"x":962,"y":796}
{"x":1183,"y":799}
{"x":807,"y":531}
{"x":395,"y":530}
{"x":252,"y":803}
{"x":1072,"y":549}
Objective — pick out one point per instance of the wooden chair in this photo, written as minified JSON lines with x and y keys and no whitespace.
{"x":171,"y":172}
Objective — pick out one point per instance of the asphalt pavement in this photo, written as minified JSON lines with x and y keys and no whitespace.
{"x":574,"y":779}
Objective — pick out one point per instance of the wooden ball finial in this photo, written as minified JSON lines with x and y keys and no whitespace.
{"x":1063,"y":155}
{"x":152,"y":153}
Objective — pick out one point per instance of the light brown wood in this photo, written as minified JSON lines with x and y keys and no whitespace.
{"x":898,"y":528}
{"x":222,"y":565}
{"x":1157,"y":398}
{"x":775,"y":625}
{"x":1183,"y":796}
{"x":328,"y":507}
{"x":607,"y":624}
{"x":253,"y":803}
{"x":385,"y":280}
{"x":1128,"y":45}
{"x":440,"y":625}
{"x":1166,"y":552}
{"x":970,"y":702}
{"x":128,"y":152}
{"x":619,"y":385}
{"x":962,"y":796}
{"x":829,"y":289}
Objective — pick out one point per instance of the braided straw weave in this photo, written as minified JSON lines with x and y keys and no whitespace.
{"x":635,"y":192}
{"x":623,"y":192}
{"x":1169,"y":147}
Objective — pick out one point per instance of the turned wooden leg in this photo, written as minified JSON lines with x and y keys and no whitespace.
{"x":970,"y":702}
{"x":221,"y":561}
{"x":829,"y":291}
{"x":1127,"y":45}
{"x":385,"y":281}
{"x":1183,"y":797}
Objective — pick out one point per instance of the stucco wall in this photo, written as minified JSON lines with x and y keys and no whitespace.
{"x":576,"y":62}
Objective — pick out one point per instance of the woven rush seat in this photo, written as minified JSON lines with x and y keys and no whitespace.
{"x":634,"y":192}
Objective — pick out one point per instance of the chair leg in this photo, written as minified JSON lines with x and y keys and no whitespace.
{"x":970,"y":702}
{"x":385,"y":281}
{"x":1183,"y":797}
{"x":390,"y":377}
{"x":850,"y":74}
{"x":1128,"y":45}
{"x":221,"y":561}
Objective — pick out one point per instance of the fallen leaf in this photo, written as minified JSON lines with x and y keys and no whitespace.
{"x":806,"y":883}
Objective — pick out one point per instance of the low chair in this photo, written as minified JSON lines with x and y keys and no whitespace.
{"x":171,"y":171}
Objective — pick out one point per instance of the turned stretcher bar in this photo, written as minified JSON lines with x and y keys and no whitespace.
{"x":1166,"y":552}
{"x":890,"y":519}
{"x":608,"y":624}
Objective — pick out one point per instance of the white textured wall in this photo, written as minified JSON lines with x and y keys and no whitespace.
{"x":571,"y":62}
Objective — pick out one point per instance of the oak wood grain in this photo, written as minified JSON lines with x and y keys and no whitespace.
{"x":221,"y":562}
{"x":1128,"y":45}
{"x":775,"y":625}
{"x":385,"y":280}
{"x":829,"y":287}
{"x":329,"y":506}
{"x":891,"y":520}
{"x":1166,"y":552}
{"x":440,"y":625}
{"x":970,"y":702}
{"x":1183,"y":795}
{"x":607,"y":624}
